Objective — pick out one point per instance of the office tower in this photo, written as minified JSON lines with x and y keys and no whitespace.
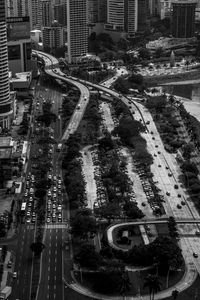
{"x":6,"y":110}
{"x":165,"y":9}
{"x":154,"y":7}
{"x":77,"y":29}
{"x":53,"y":37}
{"x":102,"y":11}
{"x":183,"y":18}
{"x":122,"y":16}
{"x":47,"y":16}
{"x":143,"y":15}
{"x":19,"y":44}
{"x":60,"y":14}
{"x":92,"y":11}
{"x":36,"y":14}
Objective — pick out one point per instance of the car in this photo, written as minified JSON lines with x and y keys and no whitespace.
{"x":176,"y":186}
{"x":159,"y":166}
{"x":50,"y":151}
{"x":143,"y":204}
{"x":33,"y":214}
{"x":29,"y":204}
{"x":59,"y":181}
{"x":26,"y":194}
{"x":53,"y":206}
{"x":54,"y":195}
{"x":168,"y":193}
{"x":49,"y":193}
{"x":167,"y":168}
{"x":148,"y":122}
{"x":156,"y":146}
{"x":59,"y":186}
{"x":49,"y":176}
{"x":54,"y":178}
{"x":30,"y":199}
{"x":179,"y":206}
{"x":9,"y":264}
{"x":31,"y":191}
{"x":195,"y":254}
{"x":59,"y":192}
{"x":54,"y":219}
{"x":159,"y":152}
{"x":54,"y":189}
{"x":48,"y":220}
{"x":170,"y":174}
{"x":183,"y":203}
{"x":28,"y":213}
{"x":59,"y":207}
{"x":14,"y":274}
{"x":33,"y":219}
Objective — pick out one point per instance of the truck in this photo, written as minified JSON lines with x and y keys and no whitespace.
{"x":5,"y":293}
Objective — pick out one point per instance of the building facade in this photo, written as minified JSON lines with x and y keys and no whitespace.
{"x":183,"y":18}
{"x":47,"y":15}
{"x":52,"y":37}
{"x":122,"y":16}
{"x":77,"y":29}
{"x":6,"y":107}
{"x":143,"y":15}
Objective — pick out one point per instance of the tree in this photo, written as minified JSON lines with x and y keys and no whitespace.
{"x":125,"y":283}
{"x":88,"y":257}
{"x":83,"y":226}
{"x":132,"y":210}
{"x":175,"y":294}
{"x":144,"y":53}
{"x":37,"y":248}
{"x":40,"y":193}
{"x":153,"y":283}
{"x":159,"y":52}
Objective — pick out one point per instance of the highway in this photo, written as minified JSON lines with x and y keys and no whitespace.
{"x":189,"y":245}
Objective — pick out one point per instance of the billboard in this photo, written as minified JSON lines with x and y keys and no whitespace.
{"x":18,"y":28}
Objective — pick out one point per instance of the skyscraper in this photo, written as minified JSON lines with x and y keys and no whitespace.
{"x":77,"y":30}
{"x":122,"y":16}
{"x":47,"y":16}
{"x":5,"y":103}
{"x":183,"y":18}
{"x":143,"y":15}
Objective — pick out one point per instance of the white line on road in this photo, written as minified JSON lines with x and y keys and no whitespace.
{"x":54,"y":295}
{"x":48,"y":268}
{"x":48,"y":277}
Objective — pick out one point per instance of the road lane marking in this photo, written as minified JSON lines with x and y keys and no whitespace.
{"x":54,"y":295}
{"x":48,"y":268}
{"x":48,"y":277}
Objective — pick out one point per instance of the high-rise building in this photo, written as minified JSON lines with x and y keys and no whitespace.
{"x":143,"y":15}
{"x":92,"y":11}
{"x":122,"y":16}
{"x":77,"y":29}
{"x":183,"y":18}
{"x":6,"y":107}
{"x":47,"y":15}
{"x":19,"y":44}
{"x":53,"y":37}
{"x":102,"y":11}
{"x":18,"y":8}
{"x":60,"y":14}
{"x":36,"y":14}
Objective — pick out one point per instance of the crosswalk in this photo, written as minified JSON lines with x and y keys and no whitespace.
{"x":49,"y":226}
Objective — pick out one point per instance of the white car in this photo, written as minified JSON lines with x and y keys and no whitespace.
{"x":54,"y":189}
{"x":59,"y":181}
{"x":49,"y":193}
{"x":49,"y":176}
{"x":54,"y":195}
{"x":14,"y":274}
{"x":48,"y":220}
{"x":31,"y":191}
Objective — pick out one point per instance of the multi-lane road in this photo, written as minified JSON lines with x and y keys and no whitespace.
{"x":51,"y":285}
